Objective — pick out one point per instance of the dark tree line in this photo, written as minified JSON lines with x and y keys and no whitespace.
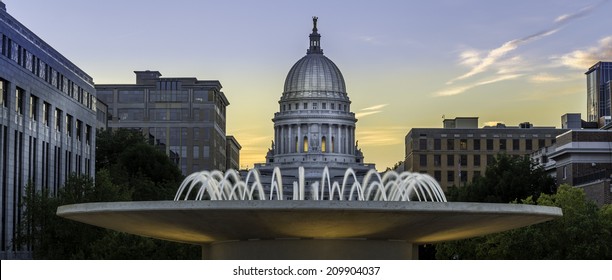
{"x":584,"y":231}
{"x":127,"y":169}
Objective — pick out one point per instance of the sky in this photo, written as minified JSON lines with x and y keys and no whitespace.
{"x":406,"y":64}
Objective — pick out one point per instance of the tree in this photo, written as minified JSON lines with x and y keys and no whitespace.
{"x":584,"y":232}
{"x":128,"y":168}
{"x":509,"y":178}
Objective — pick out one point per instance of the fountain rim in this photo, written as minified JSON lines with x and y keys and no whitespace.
{"x":310,"y":205}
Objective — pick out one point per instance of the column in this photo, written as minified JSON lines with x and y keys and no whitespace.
{"x":329,"y":139}
{"x":346,"y":139}
{"x":290,"y":139}
{"x":299,"y":139}
{"x":276,"y":148}
{"x":339,"y":140}
{"x":282,"y":139}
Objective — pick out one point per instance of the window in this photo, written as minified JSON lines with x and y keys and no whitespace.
{"x":476,"y":160}
{"x":502,"y":144}
{"x":565,"y":172}
{"x":130,"y":96}
{"x":438,"y":175}
{"x":437,"y":160}
{"x":324,"y":144}
{"x":450,"y":160}
{"x":33,"y":108}
{"x":79,"y":130}
{"x":477,"y":144}
{"x":423,"y":160}
{"x":284,"y":108}
{"x":69,"y":125}
{"x":463,"y":176}
{"x":423,"y":144}
{"x":515,"y":144}
{"x":450,"y":176}
{"x":450,"y":144}
{"x":463,"y":144}
{"x":19,"y":95}
{"x":305,"y":105}
{"x":58,"y":120}
{"x":489,"y":144}
{"x":528,"y":145}
{"x":541,"y":143}
{"x":324,"y":106}
{"x":305,"y":144}
{"x":333,"y":106}
{"x":315,"y":105}
{"x":463,"y":160}
{"x":296,"y":106}
{"x":46,"y":112}
{"x":3,"y":93}
{"x":87,"y":134}
{"x":437,"y":144}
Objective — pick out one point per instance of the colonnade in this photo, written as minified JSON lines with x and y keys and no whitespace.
{"x":302,"y":138}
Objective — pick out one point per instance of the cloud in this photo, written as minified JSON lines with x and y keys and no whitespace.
{"x":370,"y":110}
{"x":494,"y":55}
{"x":544,"y":78}
{"x":505,"y":68}
{"x":370,"y":40}
{"x":462,"y":89}
{"x":375,"y":107}
{"x":380,"y":136}
{"x":583,"y":59}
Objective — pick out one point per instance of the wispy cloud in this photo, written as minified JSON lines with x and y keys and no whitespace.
{"x":370,"y":110}
{"x":497,"y":64}
{"x":544,"y":78}
{"x":583,"y":59}
{"x":381,"y":136}
{"x":461,"y":89}
{"x":370,"y":40}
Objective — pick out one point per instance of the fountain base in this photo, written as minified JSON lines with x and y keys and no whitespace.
{"x":310,"y":249}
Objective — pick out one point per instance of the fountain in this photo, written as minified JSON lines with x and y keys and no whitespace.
{"x":380,"y":217}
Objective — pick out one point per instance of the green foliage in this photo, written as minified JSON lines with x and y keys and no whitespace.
{"x":509,"y":178}
{"x":127,"y":169}
{"x":584,"y":232}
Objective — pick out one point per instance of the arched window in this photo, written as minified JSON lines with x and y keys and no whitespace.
{"x":332,"y":144}
{"x":305,"y":144}
{"x":297,"y":145}
{"x":324,"y":144}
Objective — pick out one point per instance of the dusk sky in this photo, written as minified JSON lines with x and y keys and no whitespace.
{"x":405,"y":63}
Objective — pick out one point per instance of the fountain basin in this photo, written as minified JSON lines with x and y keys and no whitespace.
{"x":289,"y":229}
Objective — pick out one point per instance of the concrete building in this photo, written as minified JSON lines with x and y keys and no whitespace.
{"x":47,"y":122}
{"x":232,"y":148}
{"x":314,"y":127}
{"x":185,"y":117}
{"x":581,"y":158}
{"x":459,"y":152}
{"x":599,"y":99}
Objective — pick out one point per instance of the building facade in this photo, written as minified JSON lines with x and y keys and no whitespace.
{"x":460,"y":151}
{"x":232,"y":148}
{"x":314,"y":127}
{"x":581,"y":158}
{"x":47,"y":122}
{"x":184,"y":117}
{"x":599,"y":101}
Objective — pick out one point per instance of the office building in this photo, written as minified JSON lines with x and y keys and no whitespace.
{"x":232,"y":148}
{"x":184,"y":117}
{"x":598,"y":91}
{"x":460,"y":151}
{"x":47,"y":123}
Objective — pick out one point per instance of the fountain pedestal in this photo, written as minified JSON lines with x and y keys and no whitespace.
{"x":311,"y":249}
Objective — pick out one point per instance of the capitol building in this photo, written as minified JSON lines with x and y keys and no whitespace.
{"x":314,"y":127}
